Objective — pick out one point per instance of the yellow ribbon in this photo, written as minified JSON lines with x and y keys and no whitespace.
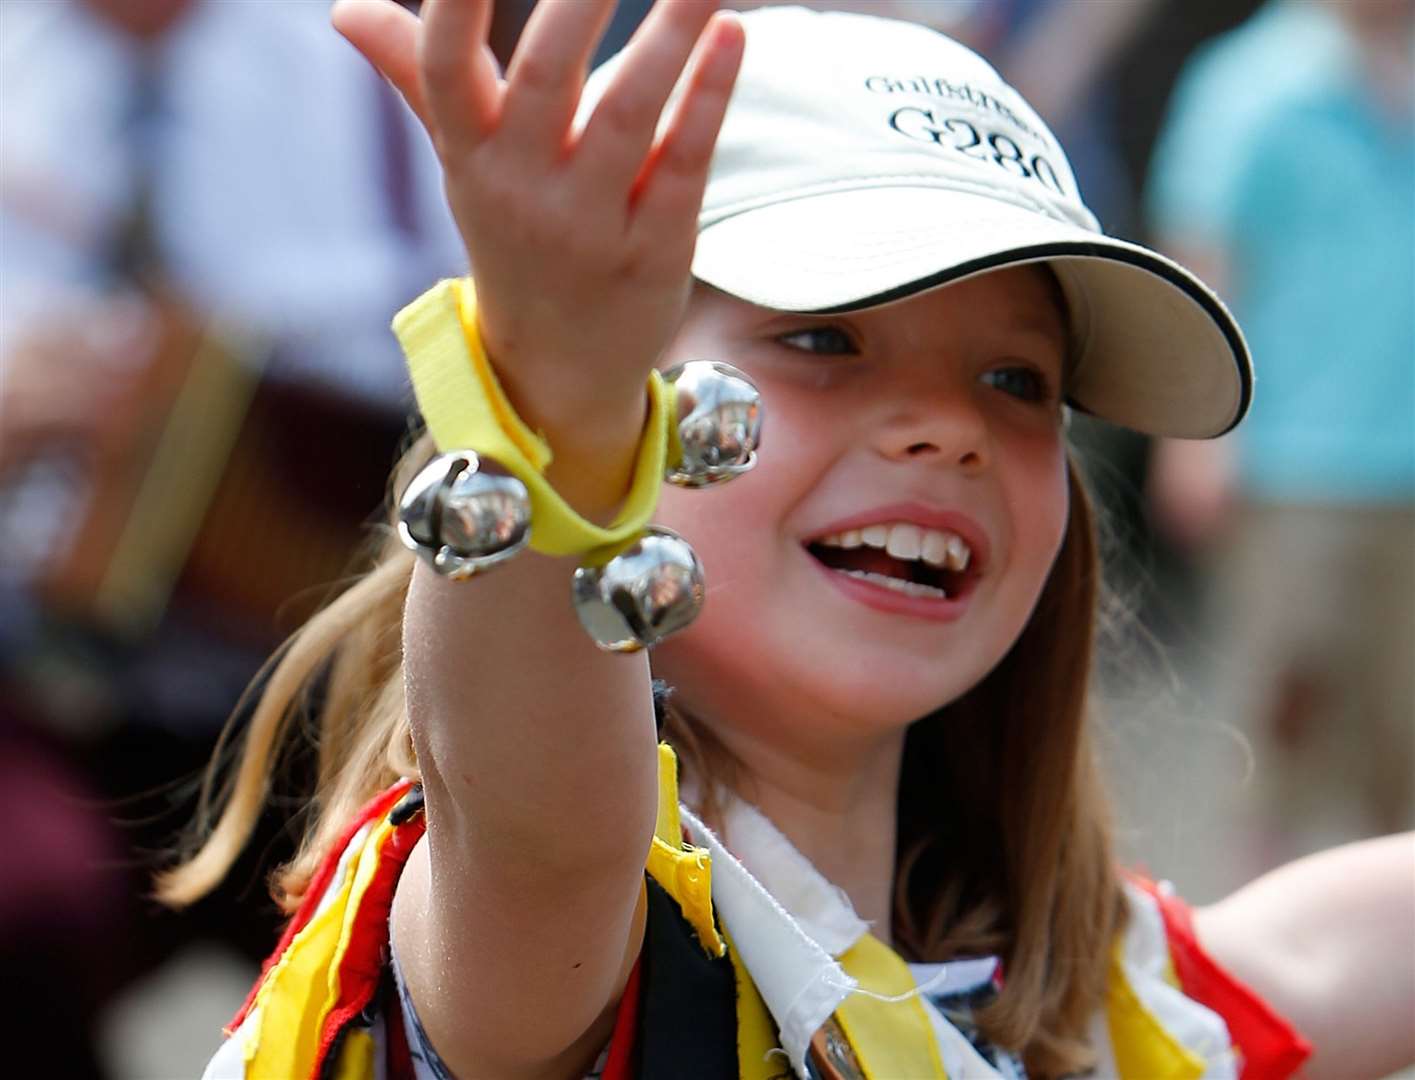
{"x":893,"y":1040}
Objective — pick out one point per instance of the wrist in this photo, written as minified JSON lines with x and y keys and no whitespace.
{"x":496,"y":487}
{"x":592,"y":419}
{"x":593,"y":466}
{"x":466,"y":407}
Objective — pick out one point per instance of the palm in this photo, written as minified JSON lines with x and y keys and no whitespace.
{"x":581,"y":239}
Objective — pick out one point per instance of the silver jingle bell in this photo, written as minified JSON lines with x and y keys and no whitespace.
{"x":464,"y":513}
{"x":651,"y":589}
{"x":719,"y":422}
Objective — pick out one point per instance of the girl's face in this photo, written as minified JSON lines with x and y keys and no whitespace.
{"x":907,"y":504}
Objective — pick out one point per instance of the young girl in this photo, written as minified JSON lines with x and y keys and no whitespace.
{"x":881,"y":711}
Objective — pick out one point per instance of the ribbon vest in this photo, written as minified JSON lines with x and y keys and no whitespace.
{"x":695,"y":1006}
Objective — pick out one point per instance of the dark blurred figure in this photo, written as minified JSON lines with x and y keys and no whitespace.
{"x":1286,"y":176}
{"x":1061,"y":56}
{"x":508,"y":19}
{"x":208,"y":213}
{"x":56,"y":904}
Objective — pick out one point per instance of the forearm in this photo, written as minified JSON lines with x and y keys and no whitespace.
{"x":522,"y":725}
{"x":520,"y":914}
{"x":526,"y":678}
{"x":1329,"y":941}
{"x":537,"y":756}
{"x":537,"y":747}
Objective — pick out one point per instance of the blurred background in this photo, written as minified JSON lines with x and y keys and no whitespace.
{"x":209,"y":210}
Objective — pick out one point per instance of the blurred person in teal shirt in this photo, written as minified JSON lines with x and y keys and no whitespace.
{"x":1286,"y":175}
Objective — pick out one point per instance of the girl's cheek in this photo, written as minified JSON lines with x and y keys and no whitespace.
{"x":1040,"y":493}
{"x":1060,"y":499}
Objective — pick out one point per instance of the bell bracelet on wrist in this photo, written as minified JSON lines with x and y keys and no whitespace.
{"x":470,"y":509}
{"x":465,"y":408}
{"x":651,"y":589}
{"x":719,"y":423}
{"x":463,"y":514}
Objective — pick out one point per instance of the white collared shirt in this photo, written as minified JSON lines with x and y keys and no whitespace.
{"x":790,"y":926}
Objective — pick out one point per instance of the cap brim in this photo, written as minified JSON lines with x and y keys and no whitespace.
{"x":1156,"y":350}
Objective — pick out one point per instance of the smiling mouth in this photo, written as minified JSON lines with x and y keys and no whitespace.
{"x":905,"y":558}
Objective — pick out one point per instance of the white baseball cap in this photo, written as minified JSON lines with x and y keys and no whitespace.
{"x":864,"y":160}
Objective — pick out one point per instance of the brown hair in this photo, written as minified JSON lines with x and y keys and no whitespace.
{"x":1004,"y":843}
{"x":1004,"y":831}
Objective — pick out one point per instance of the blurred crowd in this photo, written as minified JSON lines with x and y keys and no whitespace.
{"x":1291,"y":187}
{"x":210,"y":210}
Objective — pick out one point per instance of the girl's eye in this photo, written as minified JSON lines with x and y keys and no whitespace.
{"x":822,"y":340}
{"x":1023,"y":383}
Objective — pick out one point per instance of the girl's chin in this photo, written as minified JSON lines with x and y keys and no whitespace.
{"x":879,"y":697}
{"x":810,"y":663}
{"x":845,"y":696}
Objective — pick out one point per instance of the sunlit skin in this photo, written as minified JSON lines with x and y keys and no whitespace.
{"x":949,"y":401}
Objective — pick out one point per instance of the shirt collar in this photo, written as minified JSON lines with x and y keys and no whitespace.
{"x":819,"y":907}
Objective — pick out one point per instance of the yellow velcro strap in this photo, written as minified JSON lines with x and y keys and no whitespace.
{"x":684,"y":871}
{"x":892,"y":1039}
{"x":466,"y":409}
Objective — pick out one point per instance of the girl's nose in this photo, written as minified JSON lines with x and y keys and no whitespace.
{"x":943,"y":428}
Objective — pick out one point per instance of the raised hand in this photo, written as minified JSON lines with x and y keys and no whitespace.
{"x":580,"y":236}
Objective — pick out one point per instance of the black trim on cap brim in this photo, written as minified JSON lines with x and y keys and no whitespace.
{"x":1159,"y":267}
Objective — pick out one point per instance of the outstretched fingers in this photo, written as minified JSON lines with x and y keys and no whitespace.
{"x":387,"y":35}
{"x":619,"y":135}
{"x":668,"y":191}
{"x":459,"y":76}
{"x":547,"y":72}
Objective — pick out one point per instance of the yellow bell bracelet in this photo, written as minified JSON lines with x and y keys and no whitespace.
{"x":464,"y":406}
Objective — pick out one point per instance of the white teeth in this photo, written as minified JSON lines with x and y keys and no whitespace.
{"x":908,"y":588}
{"x":875,"y":536}
{"x":958,"y":554}
{"x":908,"y":542}
{"x":935,"y":551}
{"x":905,"y":541}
